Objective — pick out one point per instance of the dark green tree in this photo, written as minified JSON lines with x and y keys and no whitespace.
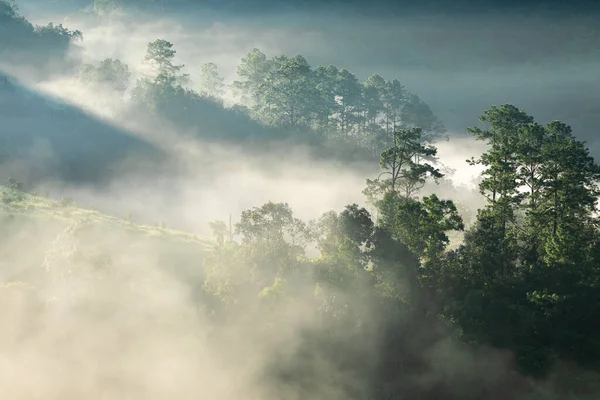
{"x":404,"y":164}
{"x":289,"y":91}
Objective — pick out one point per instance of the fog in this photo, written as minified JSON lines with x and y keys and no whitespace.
{"x":225,"y":40}
{"x":124,"y":326}
{"x":545,"y":63}
{"x":98,"y":331}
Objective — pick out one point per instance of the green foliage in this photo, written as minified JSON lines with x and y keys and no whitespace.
{"x":286,"y":91}
{"x":14,"y":184}
{"x":273,"y":222}
{"x":110,"y":73}
{"x":404,"y":165}
{"x":52,"y":33}
{"x":219,"y":231}
{"x":210,"y":81}
{"x":160,"y":55}
{"x":282,"y":98}
{"x":421,"y":225}
{"x":27,"y":42}
{"x":252,"y":71}
{"x":531,"y":259}
{"x":525,"y":279}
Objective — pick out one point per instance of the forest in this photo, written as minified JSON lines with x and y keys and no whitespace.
{"x":410,"y":295}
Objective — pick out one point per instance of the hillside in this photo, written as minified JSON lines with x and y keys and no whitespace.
{"x":44,"y":138}
{"x":54,"y":233}
{"x":19,"y":204}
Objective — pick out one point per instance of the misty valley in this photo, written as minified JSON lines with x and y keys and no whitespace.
{"x":197,"y":210}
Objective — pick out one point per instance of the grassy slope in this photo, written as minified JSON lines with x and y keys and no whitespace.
{"x":42,"y":239}
{"x":24,"y":205}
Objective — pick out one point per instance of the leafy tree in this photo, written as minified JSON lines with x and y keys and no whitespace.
{"x":219,"y":231}
{"x":288,"y":93}
{"x":325,"y":85}
{"x":272,"y":222}
{"x":210,"y":81}
{"x":394,"y":97}
{"x":229,"y":279}
{"x":253,"y":71}
{"x":403,"y":163}
{"x":32,"y":43}
{"x":374,"y":89}
{"x":570,"y":186}
{"x":341,"y":95}
{"x":353,"y":223}
{"x":417,"y":113}
{"x":164,"y":92}
{"x":421,"y":225}
{"x":500,"y":176}
{"x":160,"y":55}
{"x":109,"y":72}
{"x":357,"y":225}
{"x":9,"y":12}
{"x":274,"y":238}
{"x":14,"y":184}
{"x":529,"y":261}
{"x":51,"y":32}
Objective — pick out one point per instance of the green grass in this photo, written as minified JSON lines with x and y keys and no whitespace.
{"x":25,"y":205}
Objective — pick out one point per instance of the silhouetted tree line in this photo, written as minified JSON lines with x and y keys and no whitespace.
{"x":21,"y":40}
{"x":283,"y":93}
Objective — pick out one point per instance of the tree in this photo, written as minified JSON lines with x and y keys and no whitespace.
{"x":394,"y":97}
{"x":500,"y":184}
{"x":404,"y":166}
{"x":272,"y":222}
{"x":417,"y":113}
{"x":37,"y":43}
{"x":288,"y":93}
{"x":163,"y":92}
{"x":421,"y":225}
{"x":220,"y":231}
{"x":570,"y":181}
{"x":253,"y":71}
{"x":373,"y":105}
{"x":57,"y":33}
{"x":531,"y":258}
{"x":341,"y":96}
{"x":210,"y":81}
{"x":160,"y":54}
{"x":110,"y":73}
{"x":9,"y":11}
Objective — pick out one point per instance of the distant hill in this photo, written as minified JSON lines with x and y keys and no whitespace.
{"x":44,"y":138}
